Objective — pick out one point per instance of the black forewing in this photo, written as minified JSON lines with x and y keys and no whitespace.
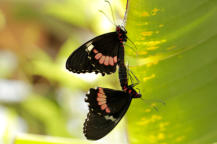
{"x":82,"y":59}
{"x":78,"y":62}
{"x":99,"y":123}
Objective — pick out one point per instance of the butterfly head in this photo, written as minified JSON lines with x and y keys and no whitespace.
{"x":132,"y":92}
{"x":122,"y":33}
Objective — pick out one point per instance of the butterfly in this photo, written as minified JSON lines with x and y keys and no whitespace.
{"x":99,"y":55}
{"x":106,"y":109}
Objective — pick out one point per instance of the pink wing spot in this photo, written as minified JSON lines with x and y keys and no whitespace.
{"x":95,"y":51}
{"x":115,"y":59}
{"x":111,"y":62}
{"x":106,"y":62}
{"x":100,"y":99}
{"x":107,"y":110}
{"x":98,"y":56}
{"x":99,"y":94}
{"x":103,"y":106}
{"x":101,"y":90}
{"x":102,"y":59}
{"x":102,"y":96}
{"x":102,"y":103}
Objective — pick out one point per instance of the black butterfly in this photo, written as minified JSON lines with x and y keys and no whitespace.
{"x":106,"y":108}
{"x":99,"y":55}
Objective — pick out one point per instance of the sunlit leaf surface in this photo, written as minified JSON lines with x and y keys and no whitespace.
{"x":177,"y":64}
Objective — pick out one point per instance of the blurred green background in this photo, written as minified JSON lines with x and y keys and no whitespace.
{"x":175,"y":61}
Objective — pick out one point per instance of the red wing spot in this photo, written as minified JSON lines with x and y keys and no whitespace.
{"x":107,"y":110}
{"x":111,"y":62}
{"x":129,"y":91}
{"x":95,"y":51}
{"x":99,"y":94}
{"x":115,"y":59}
{"x":101,"y":102}
{"x":106,"y":62}
{"x":100,"y":99}
{"x":98,"y":56}
{"x":101,"y":90}
{"x":102,"y":59}
{"x":103,"y":107}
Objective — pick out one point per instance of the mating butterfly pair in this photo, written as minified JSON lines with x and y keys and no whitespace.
{"x":106,"y":106}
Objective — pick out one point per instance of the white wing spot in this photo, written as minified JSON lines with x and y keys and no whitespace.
{"x":107,"y":117}
{"x":89,"y":46}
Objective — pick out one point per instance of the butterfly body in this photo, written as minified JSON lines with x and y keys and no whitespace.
{"x":99,"y":55}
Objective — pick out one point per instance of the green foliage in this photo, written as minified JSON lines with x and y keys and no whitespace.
{"x":48,"y":113}
{"x":176,"y":63}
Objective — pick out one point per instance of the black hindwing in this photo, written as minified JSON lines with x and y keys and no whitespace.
{"x":100,"y":122}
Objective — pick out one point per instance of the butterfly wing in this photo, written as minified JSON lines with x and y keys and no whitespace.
{"x":78,"y":62}
{"x":97,"y":55}
{"x":107,"y":107}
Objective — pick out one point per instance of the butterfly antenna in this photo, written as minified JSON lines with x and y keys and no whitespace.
{"x":131,"y":78}
{"x":107,"y":17}
{"x":133,"y":43}
{"x":156,"y":109}
{"x":125,"y":15}
{"x":137,"y":80}
{"x":111,"y":11}
{"x":153,"y":105}
{"x":132,"y":49}
{"x":128,"y":72}
{"x":154,"y":101}
{"x":138,"y":90}
{"x":135,"y":50}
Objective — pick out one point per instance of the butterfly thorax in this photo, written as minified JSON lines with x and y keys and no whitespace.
{"x":122,"y":34}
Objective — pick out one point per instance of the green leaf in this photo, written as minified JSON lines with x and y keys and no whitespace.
{"x":176,"y":63}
